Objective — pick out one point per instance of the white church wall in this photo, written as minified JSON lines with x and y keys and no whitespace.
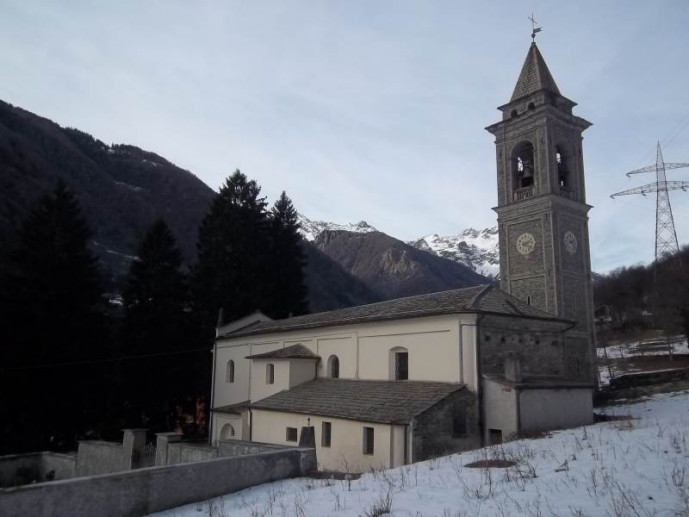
{"x":344,"y":347}
{"x":227,"y":393}
{"x":363,"y":351}
{"x":301,"y":371}
{"x":500,"y":410}
{"x":432,"y":344}
{"x":346,"y":452}
{"x":224,"y":425}
{"x":260,"y":387}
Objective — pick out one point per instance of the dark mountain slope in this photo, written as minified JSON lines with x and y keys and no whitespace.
{"x":392,"y":268}
{"x":122,"y":189}
{"x":330,"y":286}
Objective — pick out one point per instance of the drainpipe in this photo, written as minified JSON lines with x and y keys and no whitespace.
{"x":461,"y":349}
{"x":215,"y":361}
{"x":479,"y":391}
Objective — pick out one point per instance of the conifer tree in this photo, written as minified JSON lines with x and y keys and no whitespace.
{"x":233,"y":247}
{"x":287,"y":262}
{"x":157,"y":331}
{"x":51,"y":297}
{"x":155,"y":294}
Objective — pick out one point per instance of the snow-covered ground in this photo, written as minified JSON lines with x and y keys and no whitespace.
{"x":635,"y":466}
{"x":623,"y":358}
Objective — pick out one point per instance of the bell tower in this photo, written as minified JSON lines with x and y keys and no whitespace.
{"x":542,"y":210}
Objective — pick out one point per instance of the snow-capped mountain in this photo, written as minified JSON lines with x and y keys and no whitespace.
{"x":310,"y":229}
{"x":476,"y":249}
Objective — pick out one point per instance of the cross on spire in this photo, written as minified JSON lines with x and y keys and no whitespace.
{"x":534,"y":30}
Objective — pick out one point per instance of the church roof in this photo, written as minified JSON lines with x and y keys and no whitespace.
{"x":297,"y":351}
{"x":534,"y":76}
{"x":370,"y":401}
{"x":485,"y":299}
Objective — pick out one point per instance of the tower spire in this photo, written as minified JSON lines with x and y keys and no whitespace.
{"x":534,"y":76}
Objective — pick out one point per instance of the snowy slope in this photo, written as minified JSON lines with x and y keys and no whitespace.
{"x":637,"y":465}
{"x":476,"y":249}
{"x":310,"y":229}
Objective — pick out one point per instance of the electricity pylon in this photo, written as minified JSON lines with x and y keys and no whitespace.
{"x":666,"y":237}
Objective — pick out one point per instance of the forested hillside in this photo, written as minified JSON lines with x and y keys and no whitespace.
{"x":637,"y":298}
{"x":120,"y":188}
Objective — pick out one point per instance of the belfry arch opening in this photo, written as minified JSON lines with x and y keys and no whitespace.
{"x":523,"y":165}
{"x":563,"y":177}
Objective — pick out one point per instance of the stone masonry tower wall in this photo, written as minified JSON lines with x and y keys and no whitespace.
{"x":542,"y":210}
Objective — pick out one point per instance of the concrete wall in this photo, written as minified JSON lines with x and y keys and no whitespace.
{"x":499,"y":409}
{"x":182,"y":452}
{"x":433,"y":430}
{"x":346,"y":447}
{"x":20,"y":469}
{"x":96,"y":457}
{"x":242,"y":447}
{"x":154,"y":489}
{"x":555,"y":408}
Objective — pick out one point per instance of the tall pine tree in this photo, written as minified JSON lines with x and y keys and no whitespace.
{"x":233,"y":249}
{"x":288,"y":291}
{"x":158,"y":333}
{"x":52,"y":302}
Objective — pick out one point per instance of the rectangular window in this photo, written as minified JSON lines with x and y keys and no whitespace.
{"x":291,"y":434}
{"x":494,"y":436}
{"x":270,"y":373}
{"x":402,"y":366}
{"x":368,"y":440}
{"x":326,"y":430}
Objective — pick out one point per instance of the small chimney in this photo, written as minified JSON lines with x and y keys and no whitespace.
{"x":513,"y":367}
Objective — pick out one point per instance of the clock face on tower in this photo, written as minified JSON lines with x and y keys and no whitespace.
{"x":526,"y":243}
{"x":570,"y":243}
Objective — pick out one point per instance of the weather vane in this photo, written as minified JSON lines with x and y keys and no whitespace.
{"x":534,"y":30}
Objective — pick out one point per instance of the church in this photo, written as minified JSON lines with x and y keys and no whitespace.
{"x":400,"y":381}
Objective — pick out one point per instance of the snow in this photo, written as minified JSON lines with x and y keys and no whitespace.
{"x":476,"y":249}
{"x":311,"y":229}
{"x":636,"y":465}
{"x":615,"y":358}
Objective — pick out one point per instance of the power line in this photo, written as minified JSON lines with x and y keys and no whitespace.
{"x":102,"y":361}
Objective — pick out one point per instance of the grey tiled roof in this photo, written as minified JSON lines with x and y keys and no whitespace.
{"x":534,"y":76}
{"x":297,"y":351}
{"x":478,"y":299}
{"x":369,"y":401}
{"x":233,"y":409}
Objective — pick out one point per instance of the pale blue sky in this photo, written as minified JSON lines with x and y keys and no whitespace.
{"x":364,"y":109}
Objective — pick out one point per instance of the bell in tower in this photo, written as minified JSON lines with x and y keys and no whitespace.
{"x":542,"y":210}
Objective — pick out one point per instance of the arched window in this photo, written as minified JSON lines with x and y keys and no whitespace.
{"x":399,"y":363}
{"x":229,"y":373}
{"x":270,"y":373}
{"x":227,"y":432}
{"x":523,"y":165}
{"x":562,"y":172}
{"x":333,"y":367}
